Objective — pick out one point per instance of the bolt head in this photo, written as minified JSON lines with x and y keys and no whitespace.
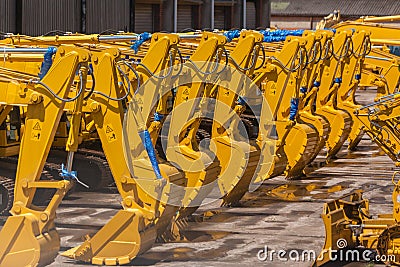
{"x":17,"y":209}
{"x":44,"y":217}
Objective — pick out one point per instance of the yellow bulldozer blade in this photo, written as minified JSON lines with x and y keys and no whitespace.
{"x":124,"y":235}
{"x":25,"y":246}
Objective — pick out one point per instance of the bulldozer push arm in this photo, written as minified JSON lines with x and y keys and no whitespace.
{"x":29,"y":237}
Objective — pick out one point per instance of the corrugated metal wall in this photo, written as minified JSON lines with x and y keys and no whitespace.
{"x":7,"y":16}
{"x":250,"y":15}
{"x":219,"y":17}
{"x":102,"y":15}
{"x":42,"y":16}
{"x":37,"y":17}
{"x":143,"y":18}
{"x":184,"y":17}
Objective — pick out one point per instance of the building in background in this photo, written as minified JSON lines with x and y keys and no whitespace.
{"x":305,"y":14}
{"x":37,"y":17}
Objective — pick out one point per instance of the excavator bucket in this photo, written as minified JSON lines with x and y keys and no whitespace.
{"x":300,"y":145}
{"x":201,"y":167}
{"x":25,"y":245}
{"x":297,"y":140}
{"x":340,"y":124}
{"x":320,"y":124}
{"x":123,"y":235}
{"x":234,"y":185}
{"x":236,"y":175}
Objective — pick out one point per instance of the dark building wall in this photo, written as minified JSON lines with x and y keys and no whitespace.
{"x":107,"y":14}
{"x":143,"y":18}
{"x":184,"y":17}
{"x":42,"y":16}
{"x":250,"y":15}
{"x":37,"y":17}
{"x":7,"y":16}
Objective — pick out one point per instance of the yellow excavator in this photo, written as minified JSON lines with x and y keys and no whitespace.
{"x":320,"y":51}
{"x":29,"y":236}
{"x":381,"y":70}
{"x":151,"y":189}
{"x":123,"y":99}
{"x":379,"y":67}
{"x":350,"y":79}
{"x":280,"y":80}
{"x":329,"y":80}
{"x":134,"y":229}
{"x":107,"y":109}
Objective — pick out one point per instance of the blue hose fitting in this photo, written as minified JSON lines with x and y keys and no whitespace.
{"x":47,"y":61}
{"x":143,"y":37}
{"x":294,"y":106}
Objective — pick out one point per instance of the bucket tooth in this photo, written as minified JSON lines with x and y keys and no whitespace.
{"x":356,"y":131}
{"x":355,"y":136}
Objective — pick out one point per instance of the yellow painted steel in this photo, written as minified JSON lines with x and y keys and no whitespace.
{"x":235,"y":178}
{"x":149,"y":204}
{"x":348,"y":218}
{"x":351,"y":76}
{"x":321,"y":70}
{"x":190,"y":101}
{"x":381,"y":70}
{"x":29,"y":236}
{"x":318,"y":47}
{"x":297,"y":141}
{"x":330,"y":78}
